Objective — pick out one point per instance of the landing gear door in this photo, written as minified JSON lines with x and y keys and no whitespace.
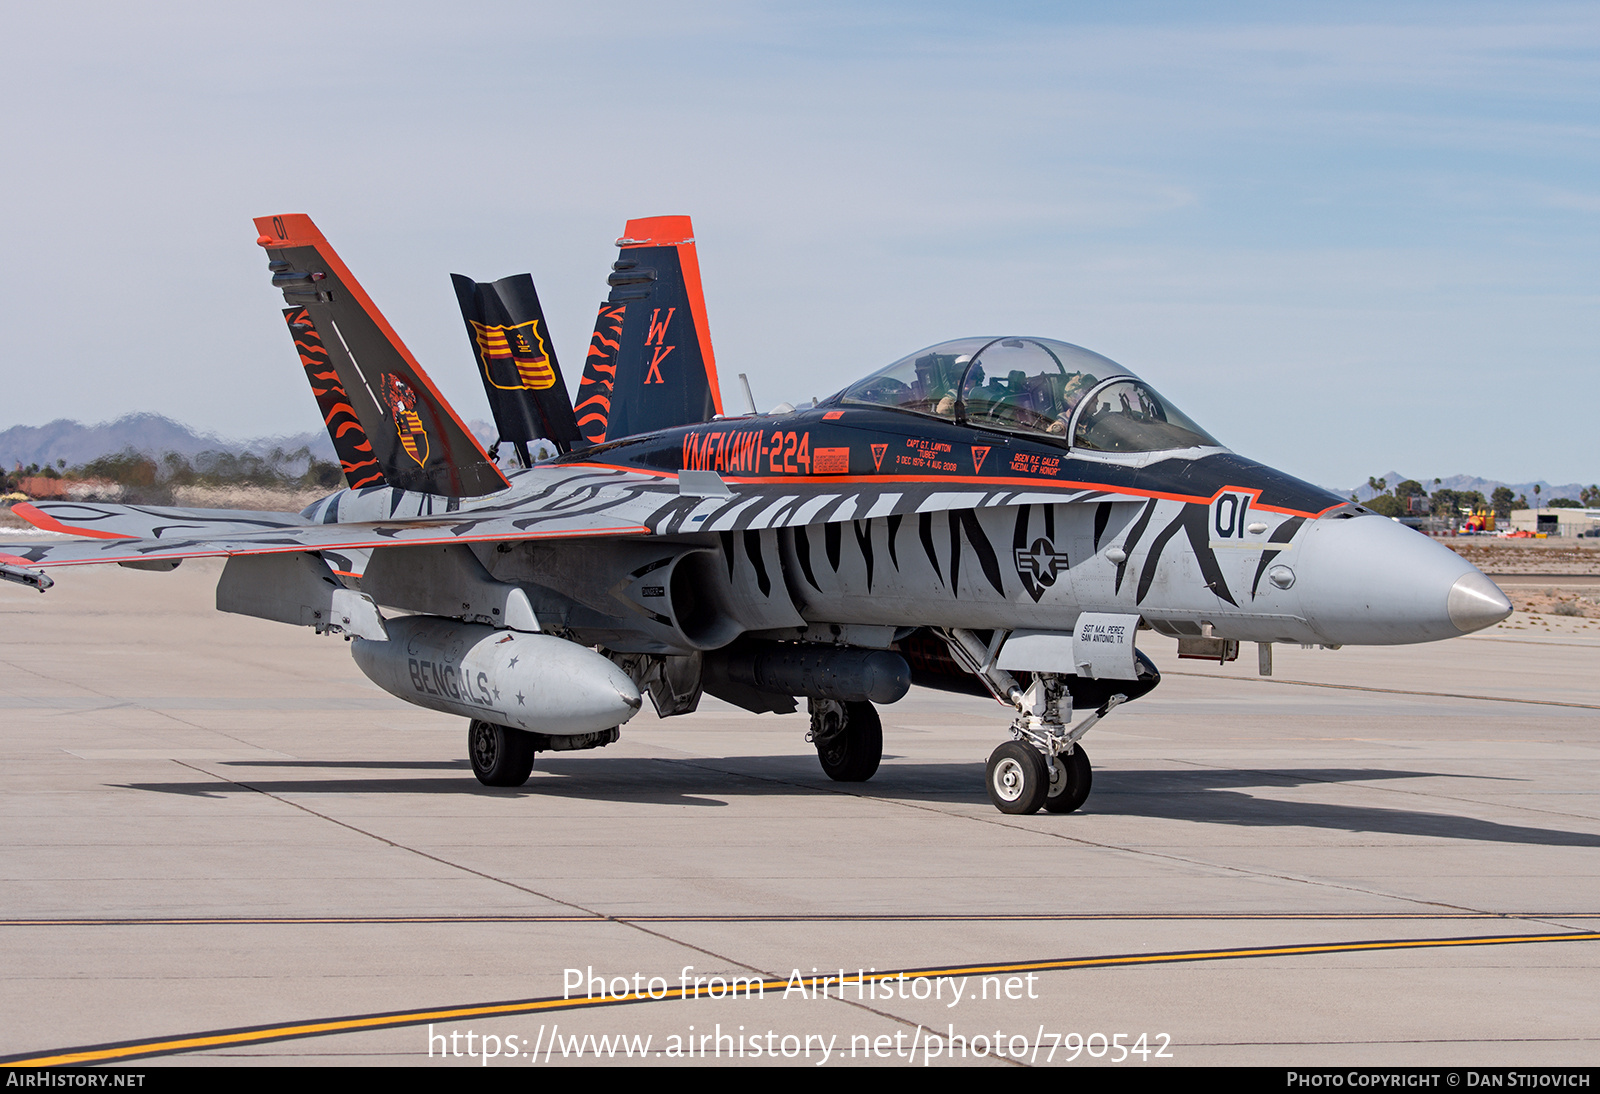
{"x":1102,"y":646}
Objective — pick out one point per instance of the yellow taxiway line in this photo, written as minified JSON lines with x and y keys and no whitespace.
{"x":99,"y":1054}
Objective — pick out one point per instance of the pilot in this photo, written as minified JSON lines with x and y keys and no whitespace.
{"x":1076,"y":386}
{"x":946,"y":407}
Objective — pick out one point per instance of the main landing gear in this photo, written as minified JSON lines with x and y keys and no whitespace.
{"x":500,"y":756}
{"x":849,"y":739}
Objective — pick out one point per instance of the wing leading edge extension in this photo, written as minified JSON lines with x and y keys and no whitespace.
{"x":409,"y":433}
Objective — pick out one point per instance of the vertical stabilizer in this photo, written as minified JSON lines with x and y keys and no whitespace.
{"x":650,"y":364}
{"x":350,"y":441}
{"x":417,"y":440}
{"x":517,"y":361}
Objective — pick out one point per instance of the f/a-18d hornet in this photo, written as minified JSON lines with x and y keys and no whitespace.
{"x":999,"y":514}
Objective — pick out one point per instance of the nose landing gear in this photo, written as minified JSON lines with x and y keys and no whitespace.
{"x":1021,"y":779}
{"x":1069,"y":781}
{"x":1016,"y":777}
{"x":1044,"y":766}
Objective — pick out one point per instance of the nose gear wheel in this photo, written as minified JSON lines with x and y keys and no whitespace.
{"x":1017,"y":779}
{"x":1069,"y":783}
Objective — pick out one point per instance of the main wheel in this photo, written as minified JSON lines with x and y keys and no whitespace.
{"x":1070,"y":788}
{"x":1017,"y":778}
{"x":849,"y":740}
{"x":500,"y":756}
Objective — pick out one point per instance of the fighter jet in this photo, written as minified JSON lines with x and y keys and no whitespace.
{"x":1002,"y":515}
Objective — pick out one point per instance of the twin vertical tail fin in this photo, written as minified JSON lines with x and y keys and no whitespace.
{"x":517,"y":362}
{"x":384,"y":414}
{"x":356,"y":459}
{"x":650,"y":364}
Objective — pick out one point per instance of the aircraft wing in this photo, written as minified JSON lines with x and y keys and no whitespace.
{"x":320,"y":537}
{"x":551,"y":502}
{"x":97,"y":520}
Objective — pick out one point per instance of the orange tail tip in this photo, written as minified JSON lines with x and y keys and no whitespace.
{"x":657,"y":232}
{"x":287,"y":230}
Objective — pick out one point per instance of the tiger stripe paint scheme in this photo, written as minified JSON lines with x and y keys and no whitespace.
{"x":350,"y":443}
{"x":739,"y":554}
{"x":650,"y":364}
{"x":600,"y":373}
{"x":883,"y":549}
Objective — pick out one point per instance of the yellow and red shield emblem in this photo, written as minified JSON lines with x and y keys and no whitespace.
{"x":514,"y":358}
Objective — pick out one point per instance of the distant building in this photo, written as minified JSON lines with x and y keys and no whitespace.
{"x":1555,"y":522}
{"x":41,"y":488}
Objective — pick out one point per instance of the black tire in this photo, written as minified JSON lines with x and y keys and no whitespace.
{"x":851,"y":754}
{"x":1017,"y":778}
{"x":1071,"y":786}
{"x":500,"y":756}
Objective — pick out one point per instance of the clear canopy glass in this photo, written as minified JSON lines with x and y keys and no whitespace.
{"x":1032,"y":385}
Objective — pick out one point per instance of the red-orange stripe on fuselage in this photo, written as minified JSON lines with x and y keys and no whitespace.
{"x":887,"y":482}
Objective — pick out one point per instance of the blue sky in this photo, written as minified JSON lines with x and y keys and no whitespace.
{"x":1345,"y":238}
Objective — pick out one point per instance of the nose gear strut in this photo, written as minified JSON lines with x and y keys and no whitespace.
{"x":1043,"y":765}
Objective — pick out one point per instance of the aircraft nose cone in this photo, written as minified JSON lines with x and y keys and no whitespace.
{"x":1368,"y":580}
{"x":1476,"y":602}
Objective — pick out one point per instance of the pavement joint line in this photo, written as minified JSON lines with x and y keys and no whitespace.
{"x":387,"y":841}
{"x":999,"y":820}
{"x":1578,"y":641}
{"x":1383,"y":691}
{"x":1004,"y":821}
{"x":1175,"y":1044}
{"x":1393,"y":1041}
{"x":597,"y":915}
{"x":1367,"y":892}
{"x":116,"y":703}
{"x":843,"y":917}
{"x":199,"y":1041}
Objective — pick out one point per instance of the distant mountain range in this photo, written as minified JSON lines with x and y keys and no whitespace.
{"x":153,"y":434}
{"x":150,"y":433}
{"x":1486,"y":487}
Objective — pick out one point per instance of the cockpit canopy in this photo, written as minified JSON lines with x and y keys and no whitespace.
{"x":1035,"y":386}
